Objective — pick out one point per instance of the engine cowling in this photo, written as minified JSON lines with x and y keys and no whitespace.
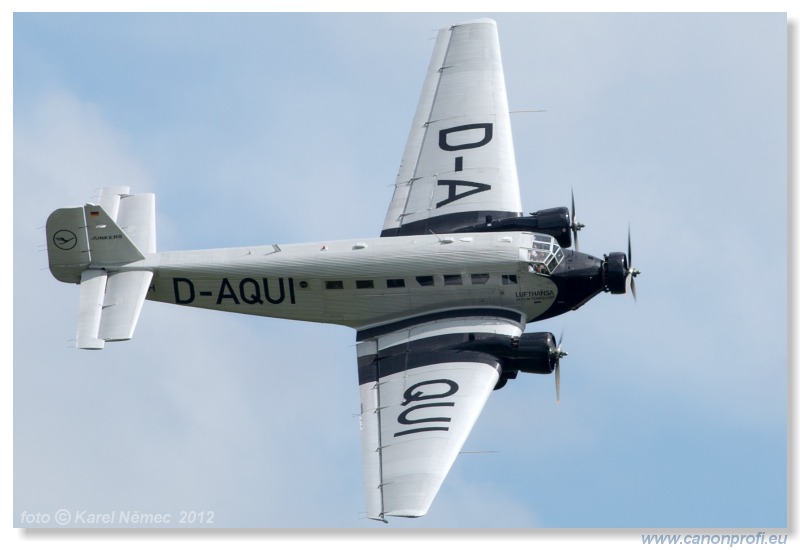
{"x":533,"y":353}
{"x":555,"y":222}
{"x":616,"y":272}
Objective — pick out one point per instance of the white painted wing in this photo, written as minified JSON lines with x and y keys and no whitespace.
{"x":458,"y":166}
{"x":421,"y":393}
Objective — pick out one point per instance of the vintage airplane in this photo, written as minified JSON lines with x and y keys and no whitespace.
{"x":439,"y":301}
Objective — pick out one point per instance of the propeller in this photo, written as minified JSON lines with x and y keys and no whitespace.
{"x":632,"y":273}
{"x":575,"y":225}
{"x":557,"y":354}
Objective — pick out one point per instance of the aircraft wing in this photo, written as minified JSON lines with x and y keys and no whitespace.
{"x":458,"y":167}
{"x":422,"y":389}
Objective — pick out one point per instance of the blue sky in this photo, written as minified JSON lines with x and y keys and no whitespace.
{"x":279,"y":128}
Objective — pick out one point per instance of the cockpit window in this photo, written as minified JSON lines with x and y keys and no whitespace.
{"x":544,"y":255}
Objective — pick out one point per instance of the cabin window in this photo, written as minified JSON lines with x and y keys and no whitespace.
{"x":452,"y":279}
{"x":479,"y":278}
{"x":425,"y":280}
{"x":395,"y":283}
{"x":365,"y":284}
{"x":509,"y":279}
{"x":334,"y":285}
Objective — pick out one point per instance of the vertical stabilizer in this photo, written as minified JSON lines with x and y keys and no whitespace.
{"x":109,"y":245}
{"x":68,"y":244}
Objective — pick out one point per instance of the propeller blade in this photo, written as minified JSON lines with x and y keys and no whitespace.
{"x":575,"y":225}
{"x":559,"y":353}
{"x":632,"y":271}
{"x":558,"y":382}
{"x":630,"y":254}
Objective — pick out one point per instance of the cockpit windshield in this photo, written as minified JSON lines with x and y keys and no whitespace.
{"x":544,"y":255}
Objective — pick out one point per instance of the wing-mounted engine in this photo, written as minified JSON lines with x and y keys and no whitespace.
{"x":555,"y":222}
{"x":532,"y":352}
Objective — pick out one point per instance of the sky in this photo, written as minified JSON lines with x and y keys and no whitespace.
{"x":281,"y":128}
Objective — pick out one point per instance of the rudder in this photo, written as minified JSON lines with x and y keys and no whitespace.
{"x":68,"y":244}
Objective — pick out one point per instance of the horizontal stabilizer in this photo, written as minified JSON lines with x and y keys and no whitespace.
{"x":110,"y":198}
{"x":93,"y":288}
{"x":110,"y":305}
{"x":125,"y":294}
{"x":137,"y":218}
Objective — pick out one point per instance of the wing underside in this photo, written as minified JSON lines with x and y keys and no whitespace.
{"x":422,"y":389}
{"x":458,"y":167}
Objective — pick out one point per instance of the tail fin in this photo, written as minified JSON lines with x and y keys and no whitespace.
{"x":88,"y":245}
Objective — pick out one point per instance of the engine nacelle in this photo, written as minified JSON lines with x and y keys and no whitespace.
{"x":551,"y":221}
{"x":556,"y":223}
{"x":533,"y":353}
{"x":616,"y":272}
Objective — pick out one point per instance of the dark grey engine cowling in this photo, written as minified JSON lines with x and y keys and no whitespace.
{"x":533,"y":353}
{"x":555,"y":222}
{"x":616,"y":272}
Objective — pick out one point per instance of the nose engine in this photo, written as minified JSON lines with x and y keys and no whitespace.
{"x":618,"y":273}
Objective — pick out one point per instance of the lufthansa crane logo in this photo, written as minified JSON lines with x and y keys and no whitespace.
{"x":65,"y":240}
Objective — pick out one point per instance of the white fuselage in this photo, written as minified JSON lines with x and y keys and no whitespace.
{"x":357,"y":283}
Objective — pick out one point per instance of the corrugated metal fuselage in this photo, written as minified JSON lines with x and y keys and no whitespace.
{"x":357,"y":283}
